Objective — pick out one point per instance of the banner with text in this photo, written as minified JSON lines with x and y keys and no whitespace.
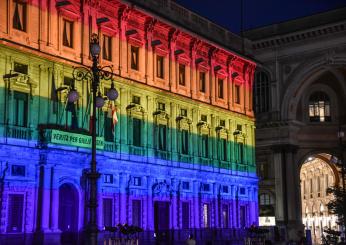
{"x":72,"y":139}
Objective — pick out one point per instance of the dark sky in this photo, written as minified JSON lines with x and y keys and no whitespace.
{"x":257,"y":12}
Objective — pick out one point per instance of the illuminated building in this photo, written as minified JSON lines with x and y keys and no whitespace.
{"x":181,"y":154}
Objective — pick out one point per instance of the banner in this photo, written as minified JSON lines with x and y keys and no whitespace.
{"x":72,"y":139}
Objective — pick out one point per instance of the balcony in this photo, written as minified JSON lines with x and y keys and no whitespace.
{"x":137,"y":150}
{"x":17,"y":132}
{"x":184,"y":158}
{"x":204,"y":161}
{"x":164,"y":155}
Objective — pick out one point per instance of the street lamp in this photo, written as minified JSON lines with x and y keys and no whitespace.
{"x":94,"y":73}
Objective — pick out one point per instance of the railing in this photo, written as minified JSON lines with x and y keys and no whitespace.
{"x":137,"y":150}
{"x":242,"y":168}
{"x":18,"y":132}
{"x":184,"y":158}
{"x":165,"y":155}
{"x":110,"y":146}
{"x":204,"y":161}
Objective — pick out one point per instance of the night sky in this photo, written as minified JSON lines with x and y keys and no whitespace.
{"x":256,"y":12}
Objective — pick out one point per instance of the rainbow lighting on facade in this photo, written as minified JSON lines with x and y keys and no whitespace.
{"x":175,"y":150}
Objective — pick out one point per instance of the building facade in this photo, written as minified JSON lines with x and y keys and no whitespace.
{"x":299,"y":104}
{"x":175,"y":151}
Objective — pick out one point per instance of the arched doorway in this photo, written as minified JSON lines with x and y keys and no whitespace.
{"x":316,"y":175}
{"x":68,"y":212}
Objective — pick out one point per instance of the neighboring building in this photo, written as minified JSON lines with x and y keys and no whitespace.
{"x":181,"y":155}
{"x":300,"y":96}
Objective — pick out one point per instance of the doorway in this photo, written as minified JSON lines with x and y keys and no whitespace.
{"x":161,"y":220}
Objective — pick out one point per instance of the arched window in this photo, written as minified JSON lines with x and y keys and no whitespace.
{"x":261,"y":92}
{"x":319,"y":107}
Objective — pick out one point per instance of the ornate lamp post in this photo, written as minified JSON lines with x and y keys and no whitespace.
{"x":94,"y":73}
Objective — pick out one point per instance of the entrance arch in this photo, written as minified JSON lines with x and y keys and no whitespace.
{"x":317,"y":173}
{"x":68,"y":208}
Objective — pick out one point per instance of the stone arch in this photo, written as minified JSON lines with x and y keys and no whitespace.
{"x":302,"y":78}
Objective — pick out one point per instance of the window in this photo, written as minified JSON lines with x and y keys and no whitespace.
{"x":202,"y":82}
{"x":263,"y":170}
{"x":20,"y":68}
{"x":19,"y":15}
{"x":18,"y":170}
{"x":137,"y":181}
{"x":136,"y":100}
{"x":222,"y":123}
{"x":223,"y":149}
{"x":185,"y":215}
{"x":68,"y":81}
{"x":242,"y":216}
{"x":237,"y":94}
{"x":186,"y":185}
{"x":206,"y":215}
{"x":134,"y":58}
{"x":107,"y":48}
{"x":20,"y":109}
{"x":265,"y":199}
{"x":204,"y":118}
{"x":15,"y":213}
{"x":181,"y":75}
{"x":159,"y":66}
{"x":162,"y":141}
{"x":225,"y":216}
{"x":183,"y":112}
{"x":107,"y":210}
{"x":240,"y":152}
{"x":136,"y":130}
{"x":136,"y":213}
{"x":220,"y":88}
{"x":108,"y":178}
{"x":161,"y":106}
{"x":225,"y":189}
{"x":206,"y":187}
{"x":239,"y":127}
{"x":184,"y":141}
{"x":204,"y":146}
{"x":319,"y":107}
{"x":261,"y":92}
{"x":67,"y":39}
{"x":242,"y":191}
{"x":108,"y":127}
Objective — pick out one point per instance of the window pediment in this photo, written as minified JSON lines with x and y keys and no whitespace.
{"x":70,"y":11}
{"x":135,"y":110}
{"x":161,"y":116}
{"x":184,"y":122}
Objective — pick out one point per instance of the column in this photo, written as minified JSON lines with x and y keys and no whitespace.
{"x":196,"y":207}
{"x":55,"y":202}
{"x":122,"y":198}
{"x":150,"y":211}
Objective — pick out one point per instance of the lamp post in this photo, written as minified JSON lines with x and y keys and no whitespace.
{"x":94,"y":73}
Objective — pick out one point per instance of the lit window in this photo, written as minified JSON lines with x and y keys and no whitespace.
{"x":134,"y":58}
{"x":107,"y":48}
{"x":225,"y":216}
{"x":19,"y":15}
{"x":202,"y":82}
{"x":265,"y":199}
{"x":159,"y":66}
{"x":137,"y":181}
{"x":67,"y":39}
{"x":181,"y":74}
{"x":206,"y":215}
{"x":220,"y":88}
{"x":319,"y":107}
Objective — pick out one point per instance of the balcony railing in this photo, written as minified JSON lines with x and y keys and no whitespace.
{"x":165,"y":155}
{"x":18,"y":132}
{"x":137,"y":150}
{"x":204,"y":161}
{"x":184,"y":158}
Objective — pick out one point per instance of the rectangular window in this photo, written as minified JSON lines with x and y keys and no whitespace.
{"x":202,"y":82}
{"x":161,"y":106}
{"x":20,"y":68}
{"x":136,"y":213}
{"x":242,"y":216}
{"x":222,"y":123}
{"x":107,"y":210}
{"x":206,"y":187}
{"x":242,"y":191}
{"x":223,"y":149}
{"x":19,"y":15}
{"x":20,"y":109}
{"x":237,"y":94}
{"x":225,"y":216}
{"x":183,"y":112}
{"x":137,"y":181}
{"x":18,"y":170}
{"x":134,"y":58}
{"x":162,"y":141}
{"x":186,"y":185}
{"x":181,"y":75}
{"x":67,"y":38}
{"x":225,"y":189}
{"x":107,"y":48}
{"x":204,"y":118}
{"x":159,"y":66}
{"x":108,"y":126}
{"x":220,"y":88}
{"x":241,"y":153}
{"x":136,"y":100}
{"x":206,"y":215}
{"x":185,"y":215}
{"x":184,"y":141}
{"x":204,"y":146}
{"x":136,"y":130}
{"x":108,"y":178}
{"x":15,"y":213}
